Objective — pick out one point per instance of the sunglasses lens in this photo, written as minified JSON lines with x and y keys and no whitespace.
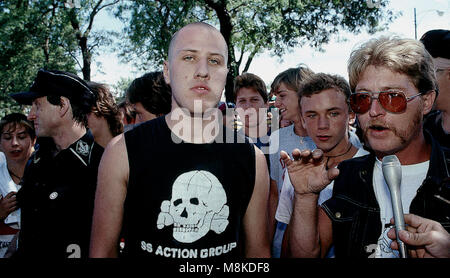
{"x":360,"y":102}
{"x":393,"y":101}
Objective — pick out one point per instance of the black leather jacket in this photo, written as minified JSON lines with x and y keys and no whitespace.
{"x":354,"y":209}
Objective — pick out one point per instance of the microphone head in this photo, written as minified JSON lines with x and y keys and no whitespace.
{"x":389,"y":160}
{"x":392,"y":171}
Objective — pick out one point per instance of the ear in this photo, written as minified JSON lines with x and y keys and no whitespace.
{"x":301,"y":117}
{"x":428,"y":102}
{"x":351,"y":117}
{"x":166,"y":72}
{"x":33,"y":141}
{"x":64,"y":107}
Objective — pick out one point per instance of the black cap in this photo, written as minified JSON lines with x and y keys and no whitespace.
{"x":437,"y":43}
{"x":58,"y":83}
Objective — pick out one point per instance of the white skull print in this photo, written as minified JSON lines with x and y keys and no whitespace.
{"x":198,"y":205}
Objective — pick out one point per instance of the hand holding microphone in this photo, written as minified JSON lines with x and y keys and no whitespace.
{"x":392,"y":173}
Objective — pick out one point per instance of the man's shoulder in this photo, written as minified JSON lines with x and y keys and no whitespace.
{"x":357,"y":162}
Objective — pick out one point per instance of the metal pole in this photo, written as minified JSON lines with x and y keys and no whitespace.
{"x":415,"y":24}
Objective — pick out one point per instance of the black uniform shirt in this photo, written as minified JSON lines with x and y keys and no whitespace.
{"x":57,"y":199}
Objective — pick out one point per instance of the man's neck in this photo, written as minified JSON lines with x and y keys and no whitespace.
{"x":102,"y":138}
{"x":196,"y":129}
{"x":67,"y":135}
{"x":256,"y":131}
{"x":17,"y":168}
{"x":342,"y":151}
{"x":299,"y":129}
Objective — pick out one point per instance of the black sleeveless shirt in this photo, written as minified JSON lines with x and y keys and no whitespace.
{"x":185,"y":200}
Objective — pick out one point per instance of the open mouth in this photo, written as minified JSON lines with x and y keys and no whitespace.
{"x":378,"y":127}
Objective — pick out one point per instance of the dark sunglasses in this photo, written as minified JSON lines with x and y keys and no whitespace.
{"x":392,"y":101}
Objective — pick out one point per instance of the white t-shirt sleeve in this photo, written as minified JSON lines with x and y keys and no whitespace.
{"x":286,"y":201}
{"x":326,"y":193}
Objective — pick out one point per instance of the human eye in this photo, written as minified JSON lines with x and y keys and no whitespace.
{"x":6,"y":136}
{"x":214,"y":61}
{"x":394,"y":93}
{"x":22,"y":136}
{"x":334,"y":113}
{"x":362,"y":95}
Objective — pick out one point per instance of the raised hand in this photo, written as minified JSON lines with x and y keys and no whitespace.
{"x":307,"y":170}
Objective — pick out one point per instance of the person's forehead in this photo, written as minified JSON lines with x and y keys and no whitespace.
{"x":330,"y":98}
{"x":39,"y":99}
{"x":383,"y":78}
{"x":247,"y":92}
{"x":197,"y":37}
{"x":13,"y":128}
{"x":283,"y":87}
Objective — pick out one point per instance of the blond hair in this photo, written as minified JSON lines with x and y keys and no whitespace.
{"x":406,"y":56}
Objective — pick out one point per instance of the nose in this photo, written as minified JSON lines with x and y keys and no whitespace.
{"x":14,"y":141}
{"x":32,"y":114}
{"x":375,"y":108}
{"x":202,"y":69}
{"x":245,"y":105}
{"x":324,"y":123}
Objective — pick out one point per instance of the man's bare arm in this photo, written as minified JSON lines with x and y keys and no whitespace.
{"x":109,"y":199}
{"x":273,"y":204}
{"x":255,"y":219}
{"x":309,"y":232}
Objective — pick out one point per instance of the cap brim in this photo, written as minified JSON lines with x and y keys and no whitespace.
{"x":25,"y":98}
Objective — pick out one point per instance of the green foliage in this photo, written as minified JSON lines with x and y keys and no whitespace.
{"x":249,"y":27}
{"x":33,"y":36}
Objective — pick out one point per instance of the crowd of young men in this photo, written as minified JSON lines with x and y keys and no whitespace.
{"x":175,"y":187}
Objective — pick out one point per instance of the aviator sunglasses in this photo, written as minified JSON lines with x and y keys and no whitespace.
{"x":393,"y":101}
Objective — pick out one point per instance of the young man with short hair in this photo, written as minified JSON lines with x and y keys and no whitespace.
{"x":150,"y":96}
{"x":286,"y":87}
{"x":325,"y":114}
{"x":250,"y":95}
{"x":191,"y":198}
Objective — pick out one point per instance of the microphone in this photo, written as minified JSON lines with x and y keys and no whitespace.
{"x":392,"y":173}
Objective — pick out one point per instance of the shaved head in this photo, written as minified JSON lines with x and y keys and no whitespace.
{"x":193,"y":25}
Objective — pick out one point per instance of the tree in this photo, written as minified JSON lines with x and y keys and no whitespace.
{"x":50,"y":34}
{"x":87,"y":15}
{"x":29,"y":42}
{"x":249,"y":27}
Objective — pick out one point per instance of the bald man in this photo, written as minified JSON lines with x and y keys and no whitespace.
{"x":173,"y":189}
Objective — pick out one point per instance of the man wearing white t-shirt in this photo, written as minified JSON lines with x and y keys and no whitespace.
{"x":325,"y":114}
{"x":394,"y":86}
{"x":286,"y":88}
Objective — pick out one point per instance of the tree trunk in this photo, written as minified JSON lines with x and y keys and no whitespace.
{"x":86,"y":59}
{"x":226,"y":28}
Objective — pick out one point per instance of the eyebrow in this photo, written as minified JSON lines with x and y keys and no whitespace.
{"x":197,"y":51}
{"x":328,"y":110}
{"x":384,"y":88}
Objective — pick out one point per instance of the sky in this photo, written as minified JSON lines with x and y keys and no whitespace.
{"x":333,"y":60}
